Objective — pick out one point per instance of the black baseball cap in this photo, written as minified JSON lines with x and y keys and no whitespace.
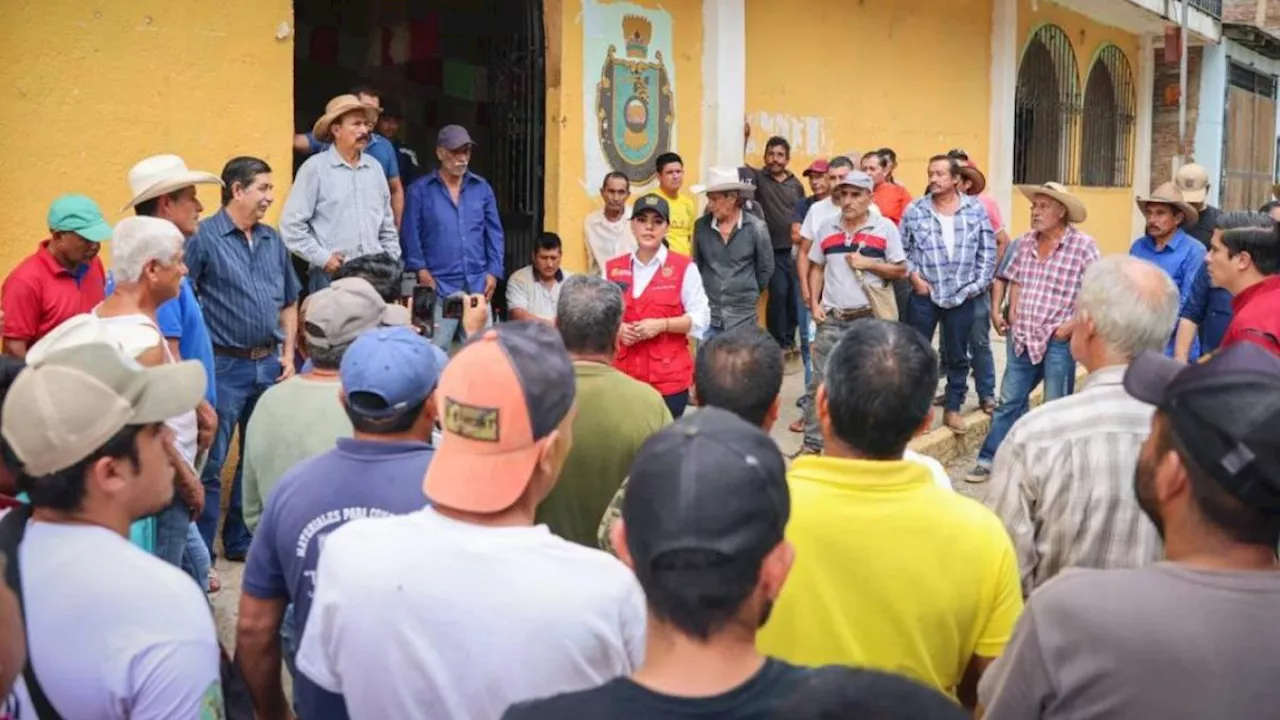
{"x":652,"y":202}
{"x":710,"y":481}
{"x":1225,"y":413}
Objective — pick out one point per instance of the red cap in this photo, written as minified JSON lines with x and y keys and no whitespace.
{"x":817,"y":167}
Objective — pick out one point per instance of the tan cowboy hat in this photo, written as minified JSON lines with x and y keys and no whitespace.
{"x":970,"y":172}
{"x":335,"y":109}
{"x":1168,"y":194}
{"x":723,"y":179}
{"x":162,"y":174}
{"x":1076,"y":211}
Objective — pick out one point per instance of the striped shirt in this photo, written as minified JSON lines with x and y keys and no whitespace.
{"x":877,"y":239}
{"x":335,"y":207}
{"x":242,"y":285}
{"x":958,"y":274}
{"x":1063,"y":483}
{"x":1047,"y":289}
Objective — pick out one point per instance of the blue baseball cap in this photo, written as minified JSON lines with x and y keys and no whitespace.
{"x":389,"y":369}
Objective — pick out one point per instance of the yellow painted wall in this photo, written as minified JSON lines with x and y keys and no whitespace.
{"x":1110,"y":209}
{"x":845,"y":75}
{"x":570,"y":196}
{"x":90,"y":87}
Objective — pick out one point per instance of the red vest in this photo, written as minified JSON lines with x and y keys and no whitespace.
{"x":663,"y":361}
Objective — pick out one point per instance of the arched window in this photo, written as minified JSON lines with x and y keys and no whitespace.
{"x":1110,"y":106}
{"x":1046,"y":110}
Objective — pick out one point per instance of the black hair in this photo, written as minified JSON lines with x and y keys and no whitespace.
{"x":874,"y":154}
{"x":840,"y":161}
{"x":65,"y":489}
{"x":666,"y":159}
{"x":740,"y":371}
{"x":615,"y":175}
{"x":1219,"y":508}
{"x":958,"y":155}
{"x":1255,"y":233}
{"x":400,"y":422}
{"x":880,"y":381}
{"x":547,"y":241}
{"x":835,"y":692}
{"x":382,"y":271}
{"x":887,"y":154}
{"x":952,"y":162}
{"x":365,"y":88}
{"x":324,"y":358}
{"x":241,"y":171}
{"x":151,"y":208}
{"x":699,"y":592}
{"x":391,"y":108}
{"x":778,"y":141}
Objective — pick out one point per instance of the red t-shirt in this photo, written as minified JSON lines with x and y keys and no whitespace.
{"x":1257,"y":316}
{"x":40,"y":294}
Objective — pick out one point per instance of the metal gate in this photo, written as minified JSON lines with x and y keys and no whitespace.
{"x":1250,"y":142}
{"x":516,"y":49}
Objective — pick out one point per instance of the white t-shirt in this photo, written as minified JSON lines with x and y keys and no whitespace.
{"x":948,"y":223}
{"x":113,"y":631}
{"x":423,"y":616}
{"x":940,"y":476}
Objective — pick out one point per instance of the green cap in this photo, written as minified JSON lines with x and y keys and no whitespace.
{"x":80,"y":215}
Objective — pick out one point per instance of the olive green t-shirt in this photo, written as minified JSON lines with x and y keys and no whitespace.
{"x":616,"y":414}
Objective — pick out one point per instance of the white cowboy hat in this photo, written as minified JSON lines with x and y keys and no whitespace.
{"x":1076,"y":211}
{"x":723,"y":179}
{"x":336,"y":108}
{"x":1169,"y":194}
{"x":161,"y":174}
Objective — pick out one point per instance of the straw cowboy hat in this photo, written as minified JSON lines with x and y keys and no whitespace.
{"x":1168,"y":194}
{"x":1076,"y":211}
{"x":723,"y":179}
{"x":162,"y":174}
{"x":970,"y":172}
{"x":338,"y":107}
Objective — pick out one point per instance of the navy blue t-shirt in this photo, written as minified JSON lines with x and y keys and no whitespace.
{"x":357,"y":479}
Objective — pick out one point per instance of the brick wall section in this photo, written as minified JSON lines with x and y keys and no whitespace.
{"x":1164,"y":117}
{"x":1245,"y":12}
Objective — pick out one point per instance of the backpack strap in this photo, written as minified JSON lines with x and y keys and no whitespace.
{"x":12,"y":527}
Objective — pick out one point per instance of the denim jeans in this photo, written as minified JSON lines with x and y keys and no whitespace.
{"x":195,"y":558}
{"x":803,"y":317}
{"x":980,"y":358}
{"x":780,"y":309}
{"x":957,"y":324}
{"x":172,"y":525}
{"x":317,"y":280}
{"x":446,"y":329}
{"x":240,"y":383}
{"x":1058,"y":371}
{"x":289,"y":640}
{"x":829,"y":333}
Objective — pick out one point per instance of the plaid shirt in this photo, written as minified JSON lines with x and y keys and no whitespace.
{"x":1047,"y":290}
{"x":1063,"y":483}
{"x":962,"y":274}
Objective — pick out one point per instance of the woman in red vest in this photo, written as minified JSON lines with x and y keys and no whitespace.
{"x":664,"y":303}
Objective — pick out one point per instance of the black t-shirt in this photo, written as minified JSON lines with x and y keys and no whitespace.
{"x":623,"y":699}
{"x":1203,"y":229}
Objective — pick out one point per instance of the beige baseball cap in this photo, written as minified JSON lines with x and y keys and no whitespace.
{"x":1192,"y":180}
{"x":60,"y":410}
{"x":338,"y":314}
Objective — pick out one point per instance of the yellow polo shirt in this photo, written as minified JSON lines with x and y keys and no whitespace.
{"x":683,"y":214}
{"x":892,"y":572}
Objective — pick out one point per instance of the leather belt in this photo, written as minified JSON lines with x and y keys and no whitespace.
{"x":257,"y":353}
{"x":850,"y":314}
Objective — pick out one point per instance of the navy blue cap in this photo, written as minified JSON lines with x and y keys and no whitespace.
{"x":388,"y":370}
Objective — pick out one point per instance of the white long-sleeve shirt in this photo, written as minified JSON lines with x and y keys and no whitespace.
{"x":692,"y":294}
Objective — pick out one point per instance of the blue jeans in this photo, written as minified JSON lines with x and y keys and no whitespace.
{"x":1058,"y":371}
{"x":172,"y":524}
{"x":317,"y":280}
{"x":980,"y":357}
{"x":240,"y":383}
{"x":195,"y":560}
{"x":957,"y":324}
{"x":780,"y":308}
{"x":446,"y":329}
{"x":804,"y":317}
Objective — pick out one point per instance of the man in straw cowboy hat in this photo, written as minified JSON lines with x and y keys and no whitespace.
{"x":340,"y":208}
{"x":731,"y":249}
{"x":1044,"y":271}
{"x":1168,"y":244}
{"x":162,"y":186}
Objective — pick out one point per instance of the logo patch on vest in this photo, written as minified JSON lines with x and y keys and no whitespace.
{"x":471,"y":421}
{"x":668,"y":271}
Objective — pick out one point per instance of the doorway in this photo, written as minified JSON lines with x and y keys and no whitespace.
{"x":475,"y":63}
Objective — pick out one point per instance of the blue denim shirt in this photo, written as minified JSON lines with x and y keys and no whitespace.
{"x":1181,"y":258}
{"x":1210,"y":308}
{"x":962,"y":274}
{"x":458,"y":244}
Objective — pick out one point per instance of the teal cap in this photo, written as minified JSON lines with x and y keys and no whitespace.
{"x":80,"y":215}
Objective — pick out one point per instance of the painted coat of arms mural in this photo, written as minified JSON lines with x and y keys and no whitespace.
{"x":633,"y":101}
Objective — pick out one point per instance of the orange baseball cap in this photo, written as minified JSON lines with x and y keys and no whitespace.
{"x":502,"y":394}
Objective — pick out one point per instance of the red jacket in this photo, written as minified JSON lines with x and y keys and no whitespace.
{"x":663,"y":361}
{"x":1257,"y":316}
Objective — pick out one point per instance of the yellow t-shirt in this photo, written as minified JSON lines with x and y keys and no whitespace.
{"x":892,"y":572}
{"x":683,"y":214}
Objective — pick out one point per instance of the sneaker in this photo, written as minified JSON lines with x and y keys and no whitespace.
{"x":978,"y":475}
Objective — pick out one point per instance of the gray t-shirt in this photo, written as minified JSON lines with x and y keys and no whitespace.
{"x":878,"y":239}
{"x":1164,"y":641}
